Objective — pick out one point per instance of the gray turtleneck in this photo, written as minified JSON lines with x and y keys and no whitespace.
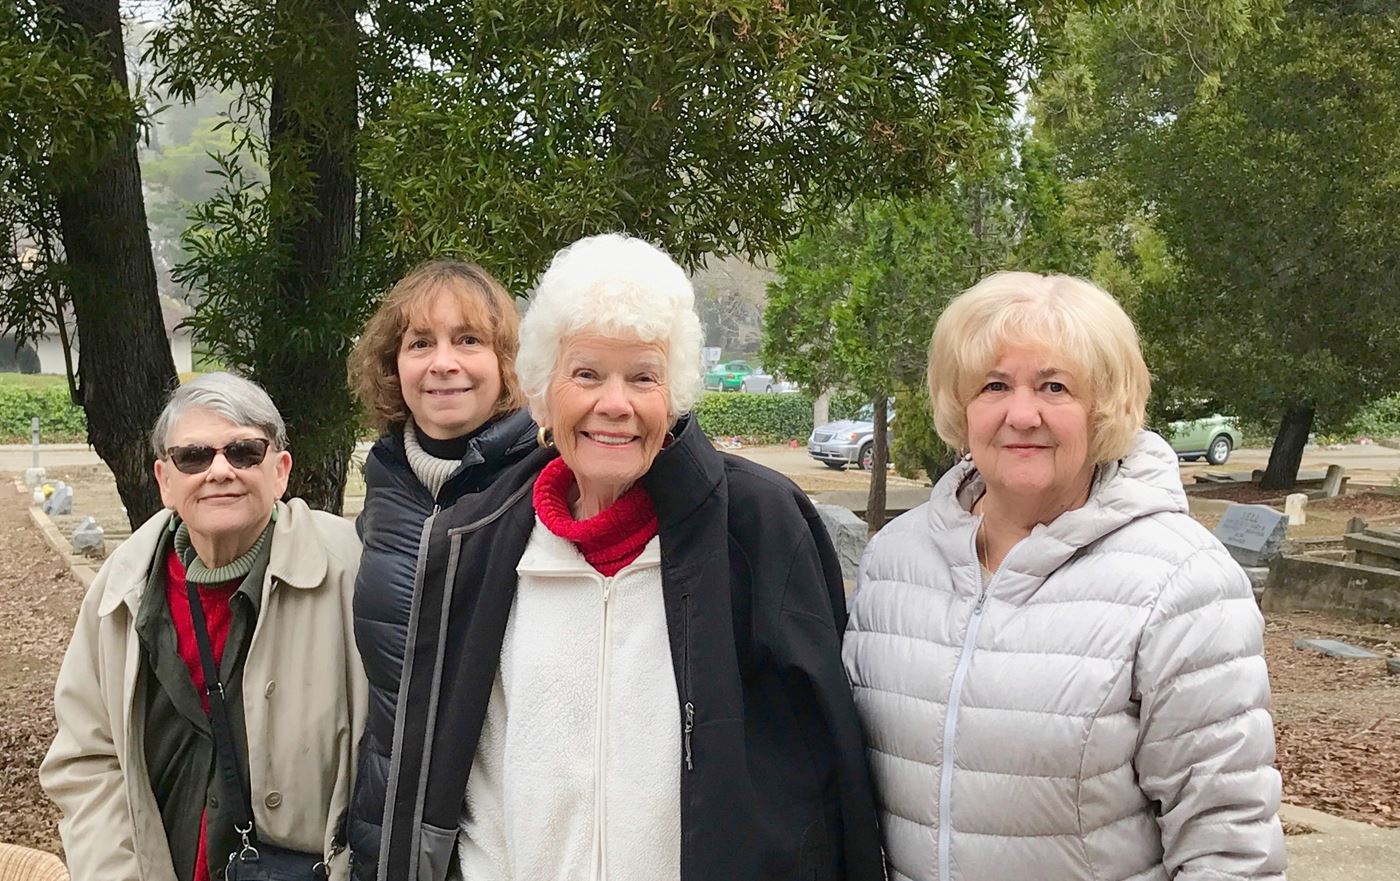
{"x":431,"y":471}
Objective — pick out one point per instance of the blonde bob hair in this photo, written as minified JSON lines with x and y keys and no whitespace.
{"x":486,"y":308}
{"x":1072,"y":320}
{"x":619,"y":287}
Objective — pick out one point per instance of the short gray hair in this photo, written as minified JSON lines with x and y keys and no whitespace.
{"x":617,"y":286}
{"x":234,"y":398}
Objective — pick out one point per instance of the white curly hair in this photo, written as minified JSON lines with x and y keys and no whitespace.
{"x":616,"y":286}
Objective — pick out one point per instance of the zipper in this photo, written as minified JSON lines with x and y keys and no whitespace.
{"x":945,"y":784}
{"x":600,"y":735}
{"x":689,"y":726}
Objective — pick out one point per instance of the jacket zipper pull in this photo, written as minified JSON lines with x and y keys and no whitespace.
{"x":689,"y":727}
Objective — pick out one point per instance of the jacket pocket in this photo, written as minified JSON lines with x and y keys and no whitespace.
{"x":814,"y":860}
{"x":435,"y":847}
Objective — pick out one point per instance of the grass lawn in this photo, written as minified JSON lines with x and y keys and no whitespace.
{"x":31,"y":380}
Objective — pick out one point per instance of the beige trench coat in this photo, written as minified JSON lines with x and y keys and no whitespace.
{"x":304,"y":696}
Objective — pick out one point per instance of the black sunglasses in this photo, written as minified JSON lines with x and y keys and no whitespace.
{"x":196,"y":458}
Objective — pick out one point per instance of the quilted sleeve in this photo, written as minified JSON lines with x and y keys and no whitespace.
{"x":1205,"y":752}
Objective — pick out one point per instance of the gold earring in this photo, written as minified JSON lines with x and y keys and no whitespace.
{"x":544,"y":438}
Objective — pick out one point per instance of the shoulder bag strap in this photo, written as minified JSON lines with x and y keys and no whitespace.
{"x":224,"y":743}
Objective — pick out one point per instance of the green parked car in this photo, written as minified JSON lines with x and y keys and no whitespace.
{"x":1212,"y":437}
{"x":728,"y":377}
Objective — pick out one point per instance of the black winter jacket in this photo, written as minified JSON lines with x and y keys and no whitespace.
{"x":397,"y":505}
{"x":774,"y":785}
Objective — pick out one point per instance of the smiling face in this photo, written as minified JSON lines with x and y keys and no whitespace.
{"x":609,"y":408}
{"x":449,"y":375}
{"x":1028,"y":429}
{"x":223,"y":504}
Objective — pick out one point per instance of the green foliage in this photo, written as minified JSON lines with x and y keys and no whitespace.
{"x":1249,"y":147}
{"x":708,"y":128}
{"x":503,"y":130}
{"x":765,"y":419}
{"x":60,"y":420}
{"x":1377,"y":420}
{"x":59,"y":110}
{"x":857,"y":298}
{"x":917,"y":446}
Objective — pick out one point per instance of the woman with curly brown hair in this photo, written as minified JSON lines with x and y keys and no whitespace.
{"x":435,"y":367}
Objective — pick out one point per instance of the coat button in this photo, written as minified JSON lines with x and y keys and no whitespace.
{"x":271,"y":687}
{"x":214,"y":802}
{"x":273,"y":799}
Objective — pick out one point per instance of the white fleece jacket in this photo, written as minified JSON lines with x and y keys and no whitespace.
{"x":577,"y":774}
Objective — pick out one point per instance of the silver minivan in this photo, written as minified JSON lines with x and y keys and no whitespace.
{"x":847,"y":441}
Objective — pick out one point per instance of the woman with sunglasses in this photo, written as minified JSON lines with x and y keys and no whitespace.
{"x":211,"y":700}
{"x":435,"y":369}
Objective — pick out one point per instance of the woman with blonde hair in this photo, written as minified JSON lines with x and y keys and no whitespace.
{"x":1060,"y":674}
{"x":435,"y":368}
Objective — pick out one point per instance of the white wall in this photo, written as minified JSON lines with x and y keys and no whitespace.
{"x":50,"y":352}
{"x":182,"y":350}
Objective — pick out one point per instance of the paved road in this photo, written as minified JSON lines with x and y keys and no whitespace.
{"x":1366,"y":464}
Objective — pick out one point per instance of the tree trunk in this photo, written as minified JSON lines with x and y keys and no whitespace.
{"x":312,"y":126}
{"x":125,"y":369}
{"x":1287,"y":452}
{"x":821,"y":409}
{"x":879,"y":469}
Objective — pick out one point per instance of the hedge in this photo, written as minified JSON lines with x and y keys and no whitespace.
{"x":60,"y":421}
{"x":754,"y":418}
{"x":765,"y":418}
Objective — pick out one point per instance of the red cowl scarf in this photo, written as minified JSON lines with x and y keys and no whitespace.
{"x":609,"y":540}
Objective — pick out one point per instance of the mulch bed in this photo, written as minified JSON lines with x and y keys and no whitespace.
{"x":39,"y":600}
{"x":1245,"y":493}
{"x":1363,"y":504}
{"x":1337,"y":722}
{"x":1360,"y":504}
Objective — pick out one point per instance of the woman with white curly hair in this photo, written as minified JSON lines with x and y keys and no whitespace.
{"x":625,"y":655}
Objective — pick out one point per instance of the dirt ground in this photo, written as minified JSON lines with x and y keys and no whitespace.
{"x":1337,"y":721}
{"x":38,"y":601}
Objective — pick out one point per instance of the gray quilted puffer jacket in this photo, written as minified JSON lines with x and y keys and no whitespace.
{"x":1099,"y":711}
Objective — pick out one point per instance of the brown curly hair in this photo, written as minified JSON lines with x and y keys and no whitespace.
{"x":486,"y":307}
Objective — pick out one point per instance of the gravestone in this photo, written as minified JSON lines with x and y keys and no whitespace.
{"x":1253,"y":534}
{"x":87,"y":536}
{"x":849,"y":533}
{"x":60,"y":501}
{"x":1332,"y":483}
{"x":1336,"y":649}
{"x":1295,"y":506}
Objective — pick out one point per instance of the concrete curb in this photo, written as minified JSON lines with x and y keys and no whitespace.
{"x":1338,"y":849}
{"x":80,"y":566}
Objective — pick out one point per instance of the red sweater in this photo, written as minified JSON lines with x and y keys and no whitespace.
{"x":217,"y":616}
{"x":608,"y":541}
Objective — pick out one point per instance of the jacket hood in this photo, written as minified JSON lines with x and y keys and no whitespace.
{"x":1145,"y":482}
